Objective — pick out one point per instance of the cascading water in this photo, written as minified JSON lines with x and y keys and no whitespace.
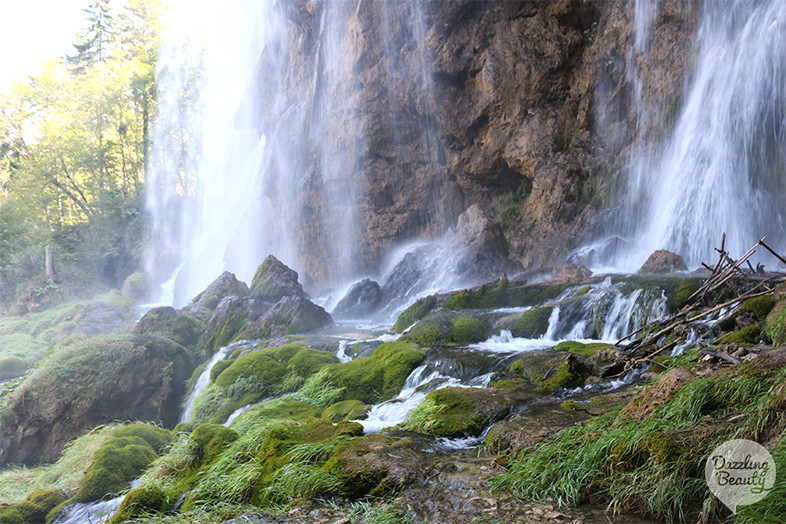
{"x":260,"y":127}
{"x":723,"y":170}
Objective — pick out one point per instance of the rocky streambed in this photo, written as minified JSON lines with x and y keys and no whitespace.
{"x":499,"y":403}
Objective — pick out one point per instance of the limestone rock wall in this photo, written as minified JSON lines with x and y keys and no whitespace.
{"x":410,"y":112}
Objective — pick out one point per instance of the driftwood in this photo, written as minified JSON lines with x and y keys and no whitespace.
{"x":728,"y":277}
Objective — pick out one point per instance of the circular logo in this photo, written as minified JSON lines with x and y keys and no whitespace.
{"x":740,"y":472}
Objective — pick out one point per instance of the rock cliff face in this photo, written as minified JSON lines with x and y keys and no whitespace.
{"x":405,"y":114}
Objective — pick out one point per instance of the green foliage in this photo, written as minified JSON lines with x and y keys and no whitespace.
{"x":533,"y":323}
{"x":158,"y":438}
{"x":772,"y":508}
{"x":207,"y":441}
{"x":653,"y":465}
{"x":415,"y":312}
{"x":775,"y":325}
{"x":759,"y":307}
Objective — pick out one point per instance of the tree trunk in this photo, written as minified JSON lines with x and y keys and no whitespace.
{"x":51,"y":274}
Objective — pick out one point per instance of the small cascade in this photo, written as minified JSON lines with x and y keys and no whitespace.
{"x":204,"y":377}
{"x":91,"y":512}
{"x":341,"y":354}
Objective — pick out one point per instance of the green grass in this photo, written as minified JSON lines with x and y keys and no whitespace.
{"x":656,"y":465}
{"x":772,"y":508}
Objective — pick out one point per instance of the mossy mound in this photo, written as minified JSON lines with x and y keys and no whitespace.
{"x":141,"y":501}
{"x":419,"y":309}
{"x":379,"y":376}
{"x":775,"y":324}
{"x":570,"y":374}
{"x":759,"y":307}
{"x":117,"y":462}
{"x":158,"y":438}
{"x":685,"y":289}
{"x":488,"y":296}
{"x":448,"y":329}
{"x":32,"y":510}
{"x":170,"y":323}
{"x":11,"y":367}
{"x":533,"y":323}
{"x":207,"y":441}
{"x":746,"y":335}
{"x":581,"y":349}
{"x":346,"y":410}
{"x":461,"y":412}
{"x":140,"y":286}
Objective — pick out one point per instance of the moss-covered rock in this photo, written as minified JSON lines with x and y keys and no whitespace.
{"x":207,"y":441}
{"x":759,"y":307}
{"x":419,"y":309}
{"x":140,"y":286}
{"x":219,"y":368}
{"x":459,"y":412}
{"x":226,"y":285}
{"x":379,"y":376}
{"x":448,"y":329}
{"x":685,"y":289}
{"x":534,"y":294}
{"x":533,"y":323}
{"x":46,"y":498}
{"x":746,"y":335}
{"x":308,"y":361}
{"x":141,"y":501}
{"x":118,"y":461}
{"x":274,"y":280}
{"x":469,"y":330}
{"x":488,"y":296}
{"x":570,"y":374}
{"x":158,"y":437}
{"x":11,"y":367}
{"x":581,"y":349}
{"x":346,"y":410}
{"x":172,"y":324}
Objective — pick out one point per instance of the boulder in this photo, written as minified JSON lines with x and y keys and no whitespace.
{"x":90,"y":381}
{"x":482,"y":247}
{"x":662,"y":261}
{"x":274,"y":280}
{"x":172,"y":324}
{"x":239,"y":318}
{"x":571,"y":271}
{"x":362,"y":299}
{"x":226,"y":285}
{"x":140,"y":286}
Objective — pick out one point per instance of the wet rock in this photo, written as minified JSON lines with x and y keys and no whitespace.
{"x":483,"y":248}
{"x":274,"y":280}
{"x":238,"y":318}
{"x":363,"y":299}
{"x":663,"y":261}
{"x":571,"y":271}
{"x":226,"y":285}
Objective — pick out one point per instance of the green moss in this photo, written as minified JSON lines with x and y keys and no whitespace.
{"x":207,"y":441}
{"x":775,"y":325}
{"x":533,"y":323}
{"x":308,"y":361}
{"x":662,"y":446}
{"x":759,"y":307}
{"x":534,"y":294}
{"x":570,"y":374}
{"x":513,"y":383}
{"x":447,"y":412}
{"x":666,"y":362}
{"x":11,"y":515}
{"x":583,"y":291}
{"x":262,"y":365}
{"x":118,"y":461}
{"x":379,"y":376}
{"x":431,"y":332}
{"x":487,"y":296}
{"x":415,"y":312}
{"x":579,"y":348}
{"x":360,"y":477}
{"x":158,"y":437}
{"x":345,"y":410}
{"x":685,"y":289}
{"x":139,"y":502}
{"x":746,"y":335}
{"x":469,"y":330}
{"x":46,"y":498}
{"x":219,"y":368}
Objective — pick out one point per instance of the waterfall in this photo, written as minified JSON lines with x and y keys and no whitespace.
{"x":266,"y":142}
{"x":722,"y":169}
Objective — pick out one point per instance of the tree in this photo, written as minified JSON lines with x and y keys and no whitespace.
{"x":94,"y":44}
